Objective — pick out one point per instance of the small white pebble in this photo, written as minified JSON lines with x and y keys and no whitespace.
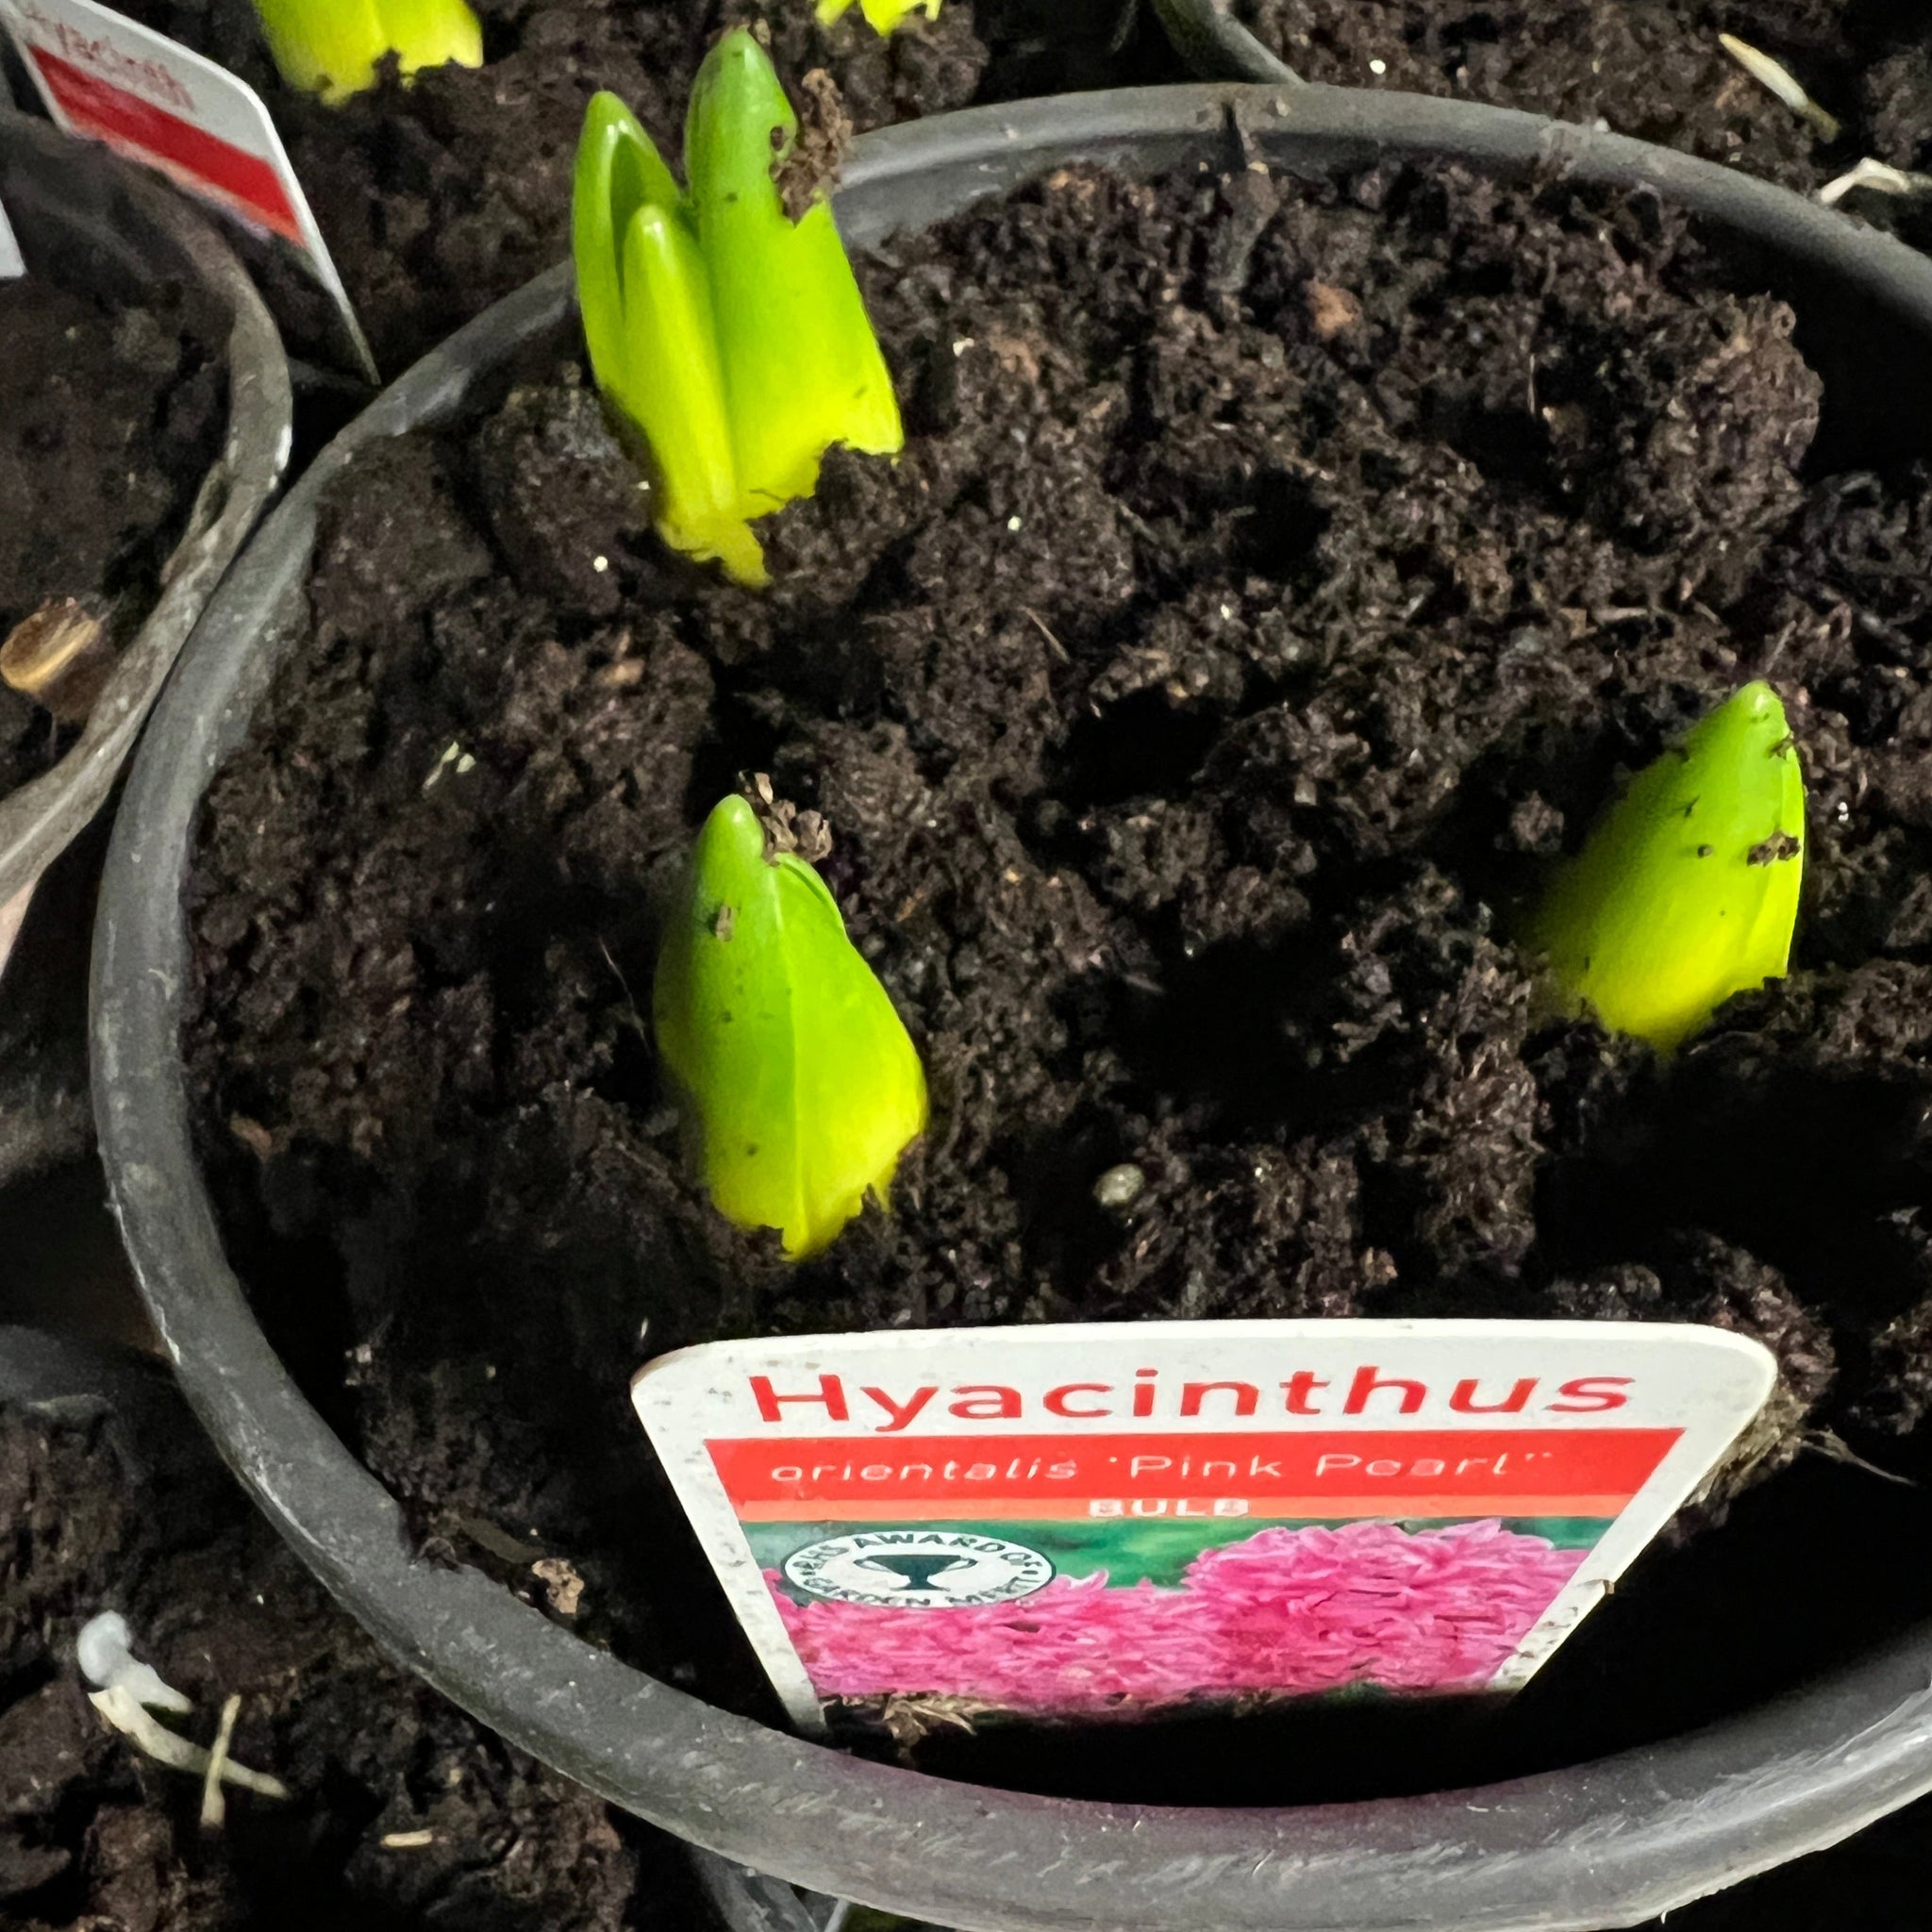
{"x":1012,"y":523}
{"x":600,"y":563}
{"x":1379,"y":67}
{"x":961,"y":346}
{"x":1226,"y":612}
{"x":465,"y":763}
{"x":1120,"y":1186}
{"x":406,"y":1841}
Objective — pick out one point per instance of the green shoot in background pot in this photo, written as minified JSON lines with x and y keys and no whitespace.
{"x":1686,"y":889}
{"x":882,"y":16}
{"x":731,"y":339}
{"x":797,"y":1084}
{"x":333,"y":47}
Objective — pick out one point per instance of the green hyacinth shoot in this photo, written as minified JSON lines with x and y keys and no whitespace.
{"x":1686,"y":891}
{"x":332,"y":47}
{"x":733,"y":339}
{"x":882,"y":16}
{"x":797,"y":1083}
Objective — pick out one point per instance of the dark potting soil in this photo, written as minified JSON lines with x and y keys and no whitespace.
{"x":403,"y":1813}
{"x":110,"y":419}
{"x":1649,"y":68}
{"x":1274,"y":578}
{"x":438,"y":198}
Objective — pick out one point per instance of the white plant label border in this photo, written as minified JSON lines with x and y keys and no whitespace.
{"x":12,"y":264}
{"x":106,"y":78}
{"x":1617,"y":1424}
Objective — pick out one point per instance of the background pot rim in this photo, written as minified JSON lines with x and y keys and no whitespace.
{"x":107,"y":226}
{"x":1217,"y":46}
{"x":1600,"y":1845}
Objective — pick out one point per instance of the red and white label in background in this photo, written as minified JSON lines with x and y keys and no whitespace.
{"x":1100,"y":1519}
{"x":10,"y":263}
{"x":111,"y":79}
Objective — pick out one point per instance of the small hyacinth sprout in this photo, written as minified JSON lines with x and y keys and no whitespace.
{"x":882,"y":16}
{"x":731,"y":339}
{"x":1686,"y":891}
{"x":798,"y":1085}
{"x":334,"y":47}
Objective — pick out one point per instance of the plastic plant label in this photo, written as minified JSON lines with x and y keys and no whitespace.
{"x":109,"y":79}
{"x":1106,"y":1520}
{"x":12,"y":917}
{"x":13,"y":265}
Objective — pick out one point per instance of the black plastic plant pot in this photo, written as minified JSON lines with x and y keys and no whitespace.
{"x":67,"y":1378}
{"x":1217,"y":46}
{"x":1605,"y":1843}
{"x":90,"y":223}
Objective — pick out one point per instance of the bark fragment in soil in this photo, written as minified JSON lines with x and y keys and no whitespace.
{"x":1274,"y":577}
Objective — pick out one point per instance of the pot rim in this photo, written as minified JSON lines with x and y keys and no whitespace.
{"x":1217,"y":46}
{"x":1604,"y":1844}
{"x":73,"y":199}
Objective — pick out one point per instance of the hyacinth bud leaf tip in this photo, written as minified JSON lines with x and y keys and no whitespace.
{"x":882,"y":16}
{"x":797,"y":1084}
{"x":1686,"y":891}
{"x":334,"y":47}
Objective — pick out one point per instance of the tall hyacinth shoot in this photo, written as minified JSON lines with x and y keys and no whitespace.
{"x":732,"y":340}
{"x":1686,"y":891}
{"x":334,"y":47}
{"x":798,"y":1088}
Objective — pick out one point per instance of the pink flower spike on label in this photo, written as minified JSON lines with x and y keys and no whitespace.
{"x":1285,"y":1609}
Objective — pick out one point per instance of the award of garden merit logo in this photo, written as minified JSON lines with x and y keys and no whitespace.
{"x":917,"y":1569}
{"x":1114,"y":1518}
